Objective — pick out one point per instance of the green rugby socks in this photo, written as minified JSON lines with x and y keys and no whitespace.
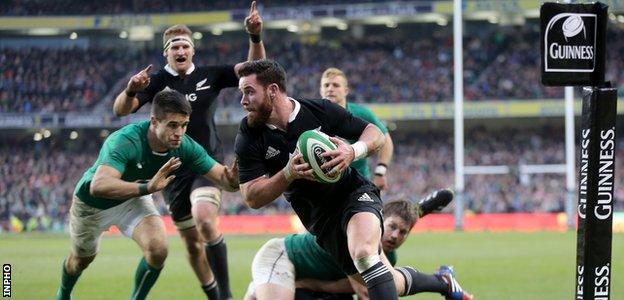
{"x":144,"y":279}
{"x":67,"y":284}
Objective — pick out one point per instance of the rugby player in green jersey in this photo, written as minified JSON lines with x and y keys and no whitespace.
{"x":335,"y":88}
{"x":134,"y":162}
{"x":291,"y":267}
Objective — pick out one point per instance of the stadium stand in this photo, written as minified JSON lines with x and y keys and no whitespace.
{"x":81,"y":7}
{"x":411,"y":63}
{"x":37,"y":178}
{"x":382,"y":68}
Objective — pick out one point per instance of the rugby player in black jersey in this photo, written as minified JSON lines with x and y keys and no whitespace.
{"x":346,"y":216}
{"x":193,"y":201}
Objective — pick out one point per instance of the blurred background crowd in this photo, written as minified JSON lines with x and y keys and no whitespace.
{"x":382,"y":68}
{"x":38,"y":179}
{"x":387,"y":63}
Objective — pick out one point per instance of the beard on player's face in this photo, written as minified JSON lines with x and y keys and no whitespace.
{"x":260,"y":115}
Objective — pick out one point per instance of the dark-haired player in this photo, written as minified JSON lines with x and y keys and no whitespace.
{"x":193,"y":201}
{"x":134,"y":162}
{"x":345,"y":217}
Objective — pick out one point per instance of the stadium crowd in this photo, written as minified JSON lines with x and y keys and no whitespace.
{"x":37,"y":178}
{"x":382,"y":68}
{"x":82,"y":7}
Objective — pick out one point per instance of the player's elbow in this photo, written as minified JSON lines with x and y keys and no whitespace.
{"x":377,"y":137}
{"x":118,"y":112}
{"x":253,"y":195}
{"x":95,"y":188}
{"x":253,"y":203}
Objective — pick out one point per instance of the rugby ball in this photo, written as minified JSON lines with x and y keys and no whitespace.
{"x":312,"y":144}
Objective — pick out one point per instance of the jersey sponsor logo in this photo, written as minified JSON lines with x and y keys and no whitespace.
{"x":190,"y":97}
{"x":365,"y":198}
{"x":200,"y":85}
{"x":271,"y":152}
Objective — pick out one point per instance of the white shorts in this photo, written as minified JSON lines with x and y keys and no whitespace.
{"x":272,"y":265}
{"x":87,"y":223}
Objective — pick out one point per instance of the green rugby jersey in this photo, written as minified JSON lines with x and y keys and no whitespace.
{"x":312,"y":261}
{"x":362,"y":112}
{"x":128,"y":151}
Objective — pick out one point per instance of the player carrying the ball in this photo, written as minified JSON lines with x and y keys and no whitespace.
{"x":345,"y":217}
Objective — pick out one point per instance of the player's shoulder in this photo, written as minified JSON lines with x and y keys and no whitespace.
{"x":248,"y":138}
{"x":129,"y":136}
{"x":190,"y":146}
{"x":313,"y":101}
{"x":160,"y":74}
{"x":247,"y":133}
{"x":133,"y":130}
{"x":160,"y":78}
{"x":187,"y":141}
{"x":314,"y":105}
{"x":358,"y":108}
{"x":208,"y":69}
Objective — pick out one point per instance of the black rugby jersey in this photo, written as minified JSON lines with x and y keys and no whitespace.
{"x":265,"y":150}
{"x":200,"y":86}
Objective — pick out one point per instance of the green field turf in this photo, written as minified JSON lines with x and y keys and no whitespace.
{"x":490,"y":265}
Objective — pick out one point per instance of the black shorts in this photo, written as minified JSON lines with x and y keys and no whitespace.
{"x":334,"y":240}
{"x":178,"y":193}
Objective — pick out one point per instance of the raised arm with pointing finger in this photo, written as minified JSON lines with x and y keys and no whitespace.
{"x":194,"y":201}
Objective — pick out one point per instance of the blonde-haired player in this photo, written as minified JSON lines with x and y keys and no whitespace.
{"x":193,"y":201}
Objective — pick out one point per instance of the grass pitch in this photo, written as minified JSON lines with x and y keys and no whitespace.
{"x":490,"y":265}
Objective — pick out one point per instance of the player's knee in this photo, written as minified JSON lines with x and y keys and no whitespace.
{"x":363,"y":263}
{"x":363,"y":250}
{"x":82,"y":264}
{"x":208,"y":229}
{"x":194,"y":246}
{"x":77,"y":264}
{"x":156,"y":253}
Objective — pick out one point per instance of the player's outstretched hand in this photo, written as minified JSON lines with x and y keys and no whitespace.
{"x":299,"y":169}
{"x":253,"y":22}
{"x":231,"y":175}
{"x":139,"y":81}
{"x":162,"y":178}
{"x":341,"y":158}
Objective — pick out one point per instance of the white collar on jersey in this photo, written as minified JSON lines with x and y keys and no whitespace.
{"x":173,"y":72}
{"x":292,"y":115}
{"x":160,"y":153}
